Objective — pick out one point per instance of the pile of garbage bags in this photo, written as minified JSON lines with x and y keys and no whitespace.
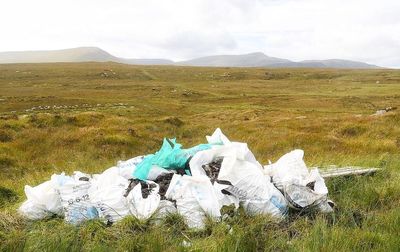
{"x":195,"y":182}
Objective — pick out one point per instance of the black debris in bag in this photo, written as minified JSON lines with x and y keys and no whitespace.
{"x":146,"y":187}
{"x":163,"y":181}
{"x":132,"y":184}
{"x":212,"y":169}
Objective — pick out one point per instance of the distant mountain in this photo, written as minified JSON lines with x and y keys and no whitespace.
{"x":337,"y":63}
{"x":257,"y":59}
{"x":80,"y":54}
{"x":147,"y":61}
{"x":330,"y":63}
{"x":261,"y":60}
{"x":244,"y":60}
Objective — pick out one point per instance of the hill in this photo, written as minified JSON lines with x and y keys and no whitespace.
{"x":80,"y":54}
{"x":257,"y":59}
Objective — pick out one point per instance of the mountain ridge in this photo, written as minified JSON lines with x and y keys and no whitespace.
{"x":254,"y":59}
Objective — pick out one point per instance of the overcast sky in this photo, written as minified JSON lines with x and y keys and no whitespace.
{"x":361,"y":30}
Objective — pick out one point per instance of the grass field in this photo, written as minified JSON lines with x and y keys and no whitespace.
{"x":87,"y":116}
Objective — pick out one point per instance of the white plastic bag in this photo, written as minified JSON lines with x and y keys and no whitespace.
{"x":107,"y":195}
{"x":218,"y":138}
{"x":245,"y":175}
{"x":165,"y":208}
{"x":243,"y":152}
{"x":223,"y":198}
{"x":275,"y":206}
{"x":289,"y":169}
{"x":195,"y":198}
{"x":140,"y":207}
{"x":74,"y":197}
{"x":303,"y":190}
{"x":46,"y":196}
{"x":127,"y":168}
{"x":32,"y":211}
{"x":257,"y":194}
{"x":42,"y":201}
{"x":112,"y":171}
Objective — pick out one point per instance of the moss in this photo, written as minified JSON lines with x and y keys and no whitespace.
{"x":353,"y":131}
{"x":7,"y":196}
{"x":175,"y":121}
{"x":5,"y":136}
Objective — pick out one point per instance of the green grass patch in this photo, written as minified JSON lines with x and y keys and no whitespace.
{"x":66,"y":117}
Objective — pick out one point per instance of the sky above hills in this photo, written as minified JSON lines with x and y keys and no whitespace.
{"x":361,"y":30}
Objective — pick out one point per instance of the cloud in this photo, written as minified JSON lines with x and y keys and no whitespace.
{"x":195,"y":44}
{"x":303,"y":29}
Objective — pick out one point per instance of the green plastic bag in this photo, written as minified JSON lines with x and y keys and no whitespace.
{"x":170,"y":156}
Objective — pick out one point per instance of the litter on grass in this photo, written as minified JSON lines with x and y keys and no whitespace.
{"x":195,"y":182}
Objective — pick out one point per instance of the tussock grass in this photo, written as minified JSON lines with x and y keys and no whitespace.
{"x":66,"y":117}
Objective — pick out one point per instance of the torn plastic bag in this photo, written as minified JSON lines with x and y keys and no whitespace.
{"x":318,"y":182}
{"x":74,"y":197}
{"x":225,"y":199}
{"x":42,"y":201}
{"x":195,"y":198}
{"x":302,"y":197}
{"x":210,"y":167}
{"x":170,"y":156}
{"x":312,"y":196}
{"x":107,"y":195}
{"x":303,"y":189}
{"x":242,"y":178}
{"x":143,"y":199}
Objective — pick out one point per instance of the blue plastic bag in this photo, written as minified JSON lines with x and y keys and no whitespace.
{"x":170,"y":156}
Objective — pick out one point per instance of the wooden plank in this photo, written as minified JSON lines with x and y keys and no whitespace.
{"x":333,"y":171}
